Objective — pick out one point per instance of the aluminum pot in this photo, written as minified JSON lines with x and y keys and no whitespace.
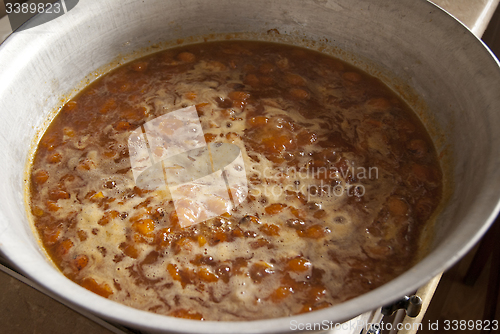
{"x":426,"y":56}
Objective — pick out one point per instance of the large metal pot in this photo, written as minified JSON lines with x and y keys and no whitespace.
{"x":433,"y":61}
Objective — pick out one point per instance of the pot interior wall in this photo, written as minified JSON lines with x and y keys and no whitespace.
{"x":406,"y":42}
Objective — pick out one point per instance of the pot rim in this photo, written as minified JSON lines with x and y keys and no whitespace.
{"x":51,"y":279}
